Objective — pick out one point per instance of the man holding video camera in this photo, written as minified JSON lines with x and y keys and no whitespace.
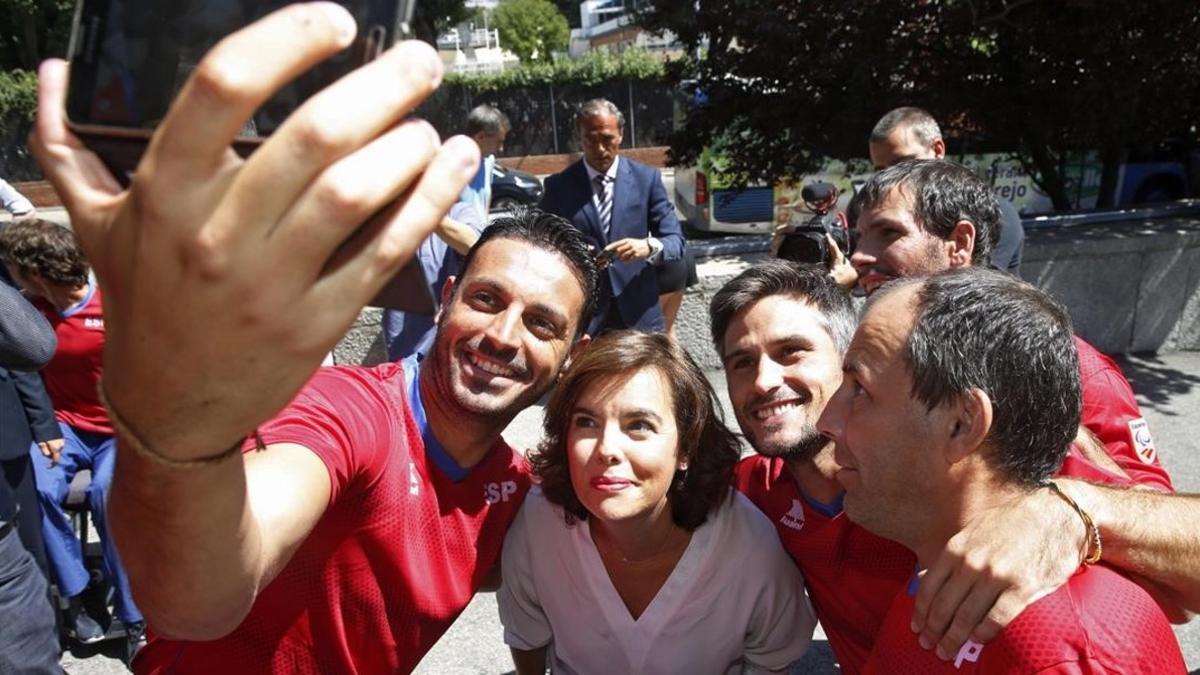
{"x":912,"y":133}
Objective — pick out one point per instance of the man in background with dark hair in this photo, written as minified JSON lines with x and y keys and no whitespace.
{"x":622,"y":207}
{"x":489,"y":128}
{"x":961,"y":394}
{"x":441,"y":253}
{"x":46,"y":261}
{"x":912,"y":133}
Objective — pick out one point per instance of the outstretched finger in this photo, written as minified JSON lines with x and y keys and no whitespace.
{"x":237,"y":76}
{"x":349,"y":192}
{"x":836,"y":257}
{"x":83,"y":183}
{"x":373,"y":255}
{"x":333,"y":124}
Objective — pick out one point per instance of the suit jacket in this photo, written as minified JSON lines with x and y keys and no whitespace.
{"x":26,"y":343}
{"x":640,"y":209}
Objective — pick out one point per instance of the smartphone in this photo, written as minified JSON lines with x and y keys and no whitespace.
{"x":129,"y":58}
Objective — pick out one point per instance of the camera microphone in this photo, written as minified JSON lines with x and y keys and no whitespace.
{"x":818,"y":191}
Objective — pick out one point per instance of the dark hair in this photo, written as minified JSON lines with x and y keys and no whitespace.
{"x":922,"y":124}
{"x":709,"y":447}
{"x":597,"y":107}
{"x":485,"y":119}
{"x":44,"y":248}
{"x":781,"y":277}
{"x":551,"y":233}
{"x":977,"y":328}
{"x":942,"y":193}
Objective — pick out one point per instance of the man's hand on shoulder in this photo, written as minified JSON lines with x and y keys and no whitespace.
{"x":1004,"y":560}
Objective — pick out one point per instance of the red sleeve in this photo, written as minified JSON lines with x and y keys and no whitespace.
{"x":350,"y":418}
{"x":1112,"y":414}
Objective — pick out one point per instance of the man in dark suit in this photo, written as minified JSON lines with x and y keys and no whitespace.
{"x":622,"y":206}
{"x":26,"y":413}
{"x":28,"y":641}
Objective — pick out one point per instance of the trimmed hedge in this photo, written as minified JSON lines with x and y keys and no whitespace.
{"x":18,"y":95}
{"x":593,"y":69}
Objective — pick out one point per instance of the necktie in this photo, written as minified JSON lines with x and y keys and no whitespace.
{"x":603,"y":202}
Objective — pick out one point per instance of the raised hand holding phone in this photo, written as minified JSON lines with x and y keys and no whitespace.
{"x":226,"y":279}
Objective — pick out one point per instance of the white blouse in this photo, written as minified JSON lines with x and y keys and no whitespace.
{"x":734,"y":603}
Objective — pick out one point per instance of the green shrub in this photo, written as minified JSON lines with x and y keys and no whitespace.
{"x":593,"y":69}
{"x":18,"y":98}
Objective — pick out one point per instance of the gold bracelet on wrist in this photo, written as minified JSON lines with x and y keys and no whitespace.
{"x":134,"y":440}
{"x":1093,"y":547}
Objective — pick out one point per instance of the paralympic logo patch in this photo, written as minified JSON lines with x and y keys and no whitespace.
{"x":1142,"y":441}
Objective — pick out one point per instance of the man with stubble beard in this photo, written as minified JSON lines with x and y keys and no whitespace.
{"x":781,"y":331}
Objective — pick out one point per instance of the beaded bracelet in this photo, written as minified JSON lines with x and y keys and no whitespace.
{"x":134,"y":440}
{"x":1094,"y":547}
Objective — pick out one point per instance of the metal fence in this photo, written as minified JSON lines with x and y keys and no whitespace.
{"x":543,"y":117}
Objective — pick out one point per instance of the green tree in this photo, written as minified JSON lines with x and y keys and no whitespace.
{"x":33,"y":30}
{"x":788,"y":83}
{"x":531,"y":29}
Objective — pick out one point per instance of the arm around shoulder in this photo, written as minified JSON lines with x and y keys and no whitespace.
{"x":1150,"y":535}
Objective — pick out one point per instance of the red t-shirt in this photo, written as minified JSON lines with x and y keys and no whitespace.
{"x":1098,"y":622}
{"x":1111,"y":412}
{"x":851,"y":574}
{"x":72,"y":375}
{"x":398,"y":554}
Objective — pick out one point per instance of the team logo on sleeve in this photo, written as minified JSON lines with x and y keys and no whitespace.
{"x":1142,"y":441}
{"x":794,"y":518}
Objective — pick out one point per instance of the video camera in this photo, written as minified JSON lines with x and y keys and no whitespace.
{"x":806,"y":243}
